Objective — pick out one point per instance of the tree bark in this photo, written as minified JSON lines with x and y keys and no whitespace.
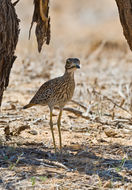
{"x":125,"y":14}
{"x":42,"y":19}
{"x":9,"y":32}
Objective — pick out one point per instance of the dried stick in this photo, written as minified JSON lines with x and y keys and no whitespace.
{"x":107,"y":98}
{"x":97,"y":51}
{"x":79,"y":104}
{"x":53,"y":164}
{"x":76,"y":112}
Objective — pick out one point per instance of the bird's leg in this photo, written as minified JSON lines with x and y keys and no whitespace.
{"x":59,"y":130}
{"x":51,"y":127}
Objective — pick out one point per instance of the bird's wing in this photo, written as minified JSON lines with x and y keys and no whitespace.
{"x":43,"y":94}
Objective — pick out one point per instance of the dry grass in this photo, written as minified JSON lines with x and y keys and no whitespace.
{"x":97,"y":144}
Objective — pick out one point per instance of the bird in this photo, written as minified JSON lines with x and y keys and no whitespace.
{"x":57,"y":92}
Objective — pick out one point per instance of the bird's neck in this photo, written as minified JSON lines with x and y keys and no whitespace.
{"x":69,"y":74}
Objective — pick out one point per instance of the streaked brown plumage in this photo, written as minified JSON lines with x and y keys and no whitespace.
{"x":57,"y":91}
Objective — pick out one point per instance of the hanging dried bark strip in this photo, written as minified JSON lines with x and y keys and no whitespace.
{"x":125,"y":13}
{"x":40,"y":16}
{"x":9,"y":31}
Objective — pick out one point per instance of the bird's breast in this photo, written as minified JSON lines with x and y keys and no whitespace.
{"x":63,"y":93}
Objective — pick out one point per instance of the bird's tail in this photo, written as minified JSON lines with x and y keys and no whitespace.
{"x":28,"y":106}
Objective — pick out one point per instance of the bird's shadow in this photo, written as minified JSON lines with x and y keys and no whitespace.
{"x":84,"y":160}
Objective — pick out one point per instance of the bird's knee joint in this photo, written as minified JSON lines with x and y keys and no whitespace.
{"x":51,"y":123}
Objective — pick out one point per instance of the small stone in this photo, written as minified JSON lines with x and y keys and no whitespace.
{"x":110,"y":133}
{"x":33,"y":132}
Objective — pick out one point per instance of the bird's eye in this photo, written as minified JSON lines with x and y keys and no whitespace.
{"x":68,"y":61}
{"x":68,"y":64}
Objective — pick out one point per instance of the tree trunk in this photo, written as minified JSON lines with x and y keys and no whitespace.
{"x":9,"y":32}
{"x":125,"y":13}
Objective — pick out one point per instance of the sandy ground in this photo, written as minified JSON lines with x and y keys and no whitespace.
{"x":97,"y":143}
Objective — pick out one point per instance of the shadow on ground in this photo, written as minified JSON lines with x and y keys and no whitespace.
{"x":82,"y":160}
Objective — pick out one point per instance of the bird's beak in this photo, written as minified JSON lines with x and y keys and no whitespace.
{"x":77,"y":66}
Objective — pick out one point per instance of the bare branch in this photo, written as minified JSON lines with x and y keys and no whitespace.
{"x":79,"y":104}
{"x":109,"y":99}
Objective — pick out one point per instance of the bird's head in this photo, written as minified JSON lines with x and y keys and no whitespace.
{"x":72,"y":64}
